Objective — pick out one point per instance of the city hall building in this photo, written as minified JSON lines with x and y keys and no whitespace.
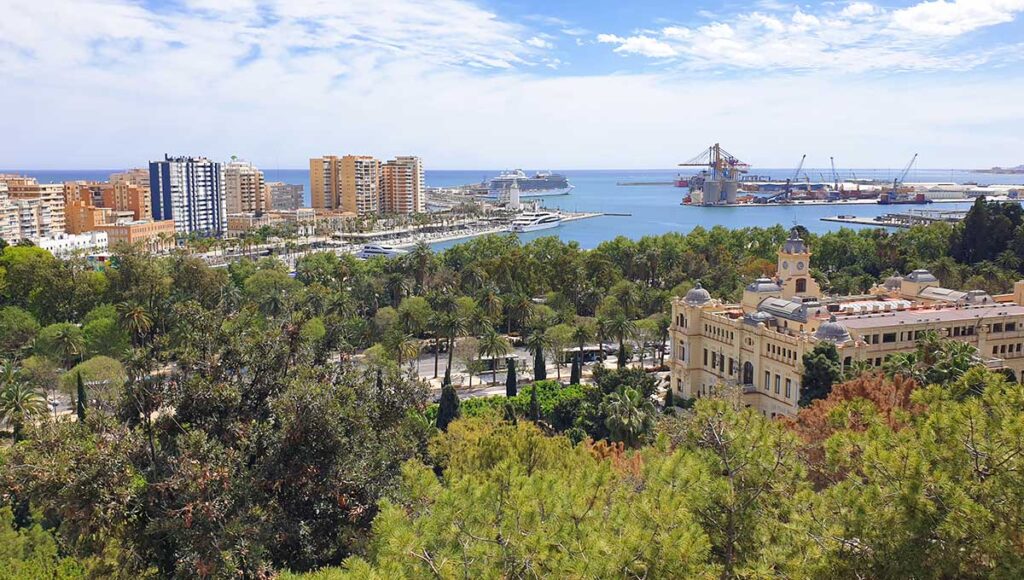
{"x":758,"y":345}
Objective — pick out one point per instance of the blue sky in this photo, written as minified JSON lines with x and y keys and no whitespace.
{"x":499,"y":83}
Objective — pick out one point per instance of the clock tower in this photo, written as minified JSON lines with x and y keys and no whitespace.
{"x":794,"y":271}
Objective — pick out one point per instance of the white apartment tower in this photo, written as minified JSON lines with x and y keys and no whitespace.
{"x":190,"y":191}
{"x":360,"y":184}
{"x":402,"y":186}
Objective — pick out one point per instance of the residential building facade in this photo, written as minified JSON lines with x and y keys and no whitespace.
{"x":325,"y":182}
{"x":758,"y":345}
{"x":39,"y":206}
{"x":152,"y":236}
{"x":244,"y":188}
{"x":285,"y":196}
{"x":189,"y":191}
{"x":360,"y":184}
{"x":402,"y":189}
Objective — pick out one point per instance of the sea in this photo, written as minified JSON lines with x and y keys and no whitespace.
{"x":647,"y":209}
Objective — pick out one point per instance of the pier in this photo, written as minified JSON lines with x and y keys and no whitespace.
{"x":901,"y":220}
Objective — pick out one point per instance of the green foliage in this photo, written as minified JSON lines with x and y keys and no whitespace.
{"x":822,"y":369}
{"x":448,"y":408}
{"x":18,"y":329}
{"x":31,"y":553}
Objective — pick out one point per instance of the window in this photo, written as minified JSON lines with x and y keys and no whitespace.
{"x":778,"y":384}
{"x":732,"y":370}
{"x":1011,"y":326}
{"x":705,"y":357}
{"x":767,"y":380}
{"x":801,"y":285}
{"x":789,"y":388}
{"x":997,"y":327}
{"x":889,"y":337}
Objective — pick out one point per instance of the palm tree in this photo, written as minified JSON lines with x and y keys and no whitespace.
{"x":404,"y":346}
{"x":454,"y":325}
{"x":492,"y":305}
{"x":19,"y":401}
{"x":135,"y":320}
{"x":519,"y":309}
{"x":581,"y":333}
{"x":630,"y":417}
{"x":622,"y":328}
{"x":493,"y":345}
{"x":70,"y":345}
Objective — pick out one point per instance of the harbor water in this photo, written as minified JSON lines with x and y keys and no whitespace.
{"x":649,"y":209}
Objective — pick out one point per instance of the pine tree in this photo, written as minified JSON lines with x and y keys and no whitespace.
{"x":448,"y":408}
{"x":821,"y":371}
{"x":511,"y":380}
{"x":534,"y":404}
{"x":574,"y":374}
{"x":80,"y":407}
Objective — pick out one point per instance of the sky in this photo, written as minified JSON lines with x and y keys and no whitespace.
{"x":468,"y":84}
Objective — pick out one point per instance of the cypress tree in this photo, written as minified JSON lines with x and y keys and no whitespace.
{"x":448,"y":408}
{"x":511,"y":388}
{"x":447,"y":376}
{"x":670,"y":400}
{"x":574,"y":374}
{"x":510,"y":413}
{"x":80,"y":406}
{"x":540,"y":369}
{"x":534,"y":404}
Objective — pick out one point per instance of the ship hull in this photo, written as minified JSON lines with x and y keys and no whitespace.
{"x":535,"y":192}
{"x":535,"y":227}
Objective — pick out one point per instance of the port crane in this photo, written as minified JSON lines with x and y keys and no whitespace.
{"x":835,"y":176}
{"x":723,"y":165}
{"x":787,"y":190}
{"x":899,"y":180}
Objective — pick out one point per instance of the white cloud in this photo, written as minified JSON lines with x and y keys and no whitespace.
{"x":108,"y":83}
{"x":853,"y":37}
{"x":538,"y":42}
{"x":945,"y":18}
{"x":858,"y":9}
{"x":640,"y":44}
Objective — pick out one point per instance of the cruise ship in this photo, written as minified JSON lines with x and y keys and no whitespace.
{"x":373,"y":250}
{"x":531,"y":221}
{"x":540,"y":184}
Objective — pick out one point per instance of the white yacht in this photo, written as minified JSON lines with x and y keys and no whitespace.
{"x":531,"y":221}
{"x":374,"y":250}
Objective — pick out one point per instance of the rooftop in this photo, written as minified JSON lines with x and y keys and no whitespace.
{"x":927,"y":315}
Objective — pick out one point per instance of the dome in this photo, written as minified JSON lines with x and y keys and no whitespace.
{"x":697,"y":295}
{"x":921,"y":276}
{"x":758,"y":317}
{"x":794,"y":245}
{"x":763,"y":285}
{"x":893,"y":282}
{"x":833,"y":331}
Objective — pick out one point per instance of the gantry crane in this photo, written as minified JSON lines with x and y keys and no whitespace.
{"x":787,"y":190}
{"x":723,"y":165}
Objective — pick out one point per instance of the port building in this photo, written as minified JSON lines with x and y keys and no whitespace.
{"x":758,"y":344}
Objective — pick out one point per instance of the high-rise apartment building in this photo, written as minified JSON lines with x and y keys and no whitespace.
{"x":190,"y":191}
{"x":128,"y":196}
{"x":244,"y":188}
{"x":402,"y":185}
{"x":325,"y":182}
{"x":360,"y":184}
{"x":40,"y":206}
{"x":284,"y":196}
{"x":9,"y":229}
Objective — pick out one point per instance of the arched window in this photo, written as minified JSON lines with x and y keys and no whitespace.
{"x":748,"y":373}
{"x":801,"y":284}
